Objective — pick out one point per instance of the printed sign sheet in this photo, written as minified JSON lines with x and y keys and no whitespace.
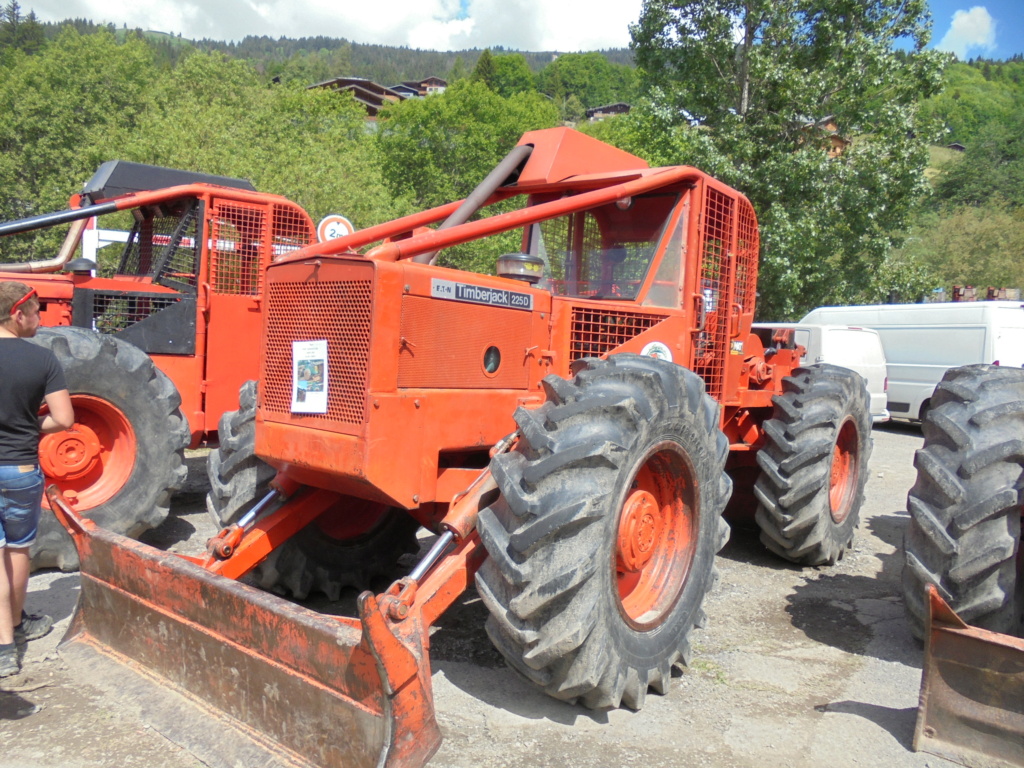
{"x":309,"y":376}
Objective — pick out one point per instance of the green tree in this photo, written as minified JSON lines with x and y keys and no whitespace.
{"x":61,"y":112}
{"x":512,"y":75}
{"x":572,"y":109}
{"x":588,"y":76}
{"x":990,"y":170}
{"x":437,"y":150}
{"x":827,"y":222}
{"x":23,"y":33}
{"x":971,"y":245}
{"x":485,"y":70}
{"x":458,"y":71}
{"x":968,"y":101}
{"x":215,"y":115}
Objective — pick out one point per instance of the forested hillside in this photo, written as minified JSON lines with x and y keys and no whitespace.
{"x":319,"y":58}
{"x":894,"y":215}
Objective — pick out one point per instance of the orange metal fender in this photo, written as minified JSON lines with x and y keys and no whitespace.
{"x":972,"y":692}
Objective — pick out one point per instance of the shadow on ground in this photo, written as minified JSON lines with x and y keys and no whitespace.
{"x":860,"y":614}
{"x":899,"y":723}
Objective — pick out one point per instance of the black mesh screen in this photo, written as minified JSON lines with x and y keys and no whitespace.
{"x":114,"y":311}
{"x":165,"y":247}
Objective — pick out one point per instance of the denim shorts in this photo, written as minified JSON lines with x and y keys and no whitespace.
{"x":21,"y":493}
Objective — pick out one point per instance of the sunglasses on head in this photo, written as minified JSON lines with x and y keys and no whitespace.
{"x":22,"y":300}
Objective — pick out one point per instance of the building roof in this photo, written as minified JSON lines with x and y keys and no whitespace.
{"x":618,"y":108}
{"x":374,"y":96}
{"x":368,"y":86}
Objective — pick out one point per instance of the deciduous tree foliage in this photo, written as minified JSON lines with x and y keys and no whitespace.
{"x":512,"y":75}
{"x":590,"y":77}
{"x":758,"y":78}
{"x":87,"y":99}
{"x":60,"y":112}
{"x":214,"y":114}
{"x":971,"y":99}
{"x":991,"y":169}
{"x":439,"y":148}
{"x":971,"y":245}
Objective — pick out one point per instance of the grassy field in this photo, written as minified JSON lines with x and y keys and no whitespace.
{"x":938,"y":156}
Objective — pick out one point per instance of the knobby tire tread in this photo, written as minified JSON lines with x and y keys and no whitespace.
{"x":548,"y":581}
{"x":122,"y":374}
{"x":965,"y":507}
{"x":794,"y":510}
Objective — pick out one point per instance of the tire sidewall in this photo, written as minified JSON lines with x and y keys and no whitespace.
{"x":795,"y":510}
{"x":126,"y":378}
{"x":969,"y":462}
{"x":643,"y":647}
{"x":843,"y":531}
{"x":121,"y":389}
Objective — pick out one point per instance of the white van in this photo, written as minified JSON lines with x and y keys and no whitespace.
{"x":859,"y":349}
{"x":923,"y":341}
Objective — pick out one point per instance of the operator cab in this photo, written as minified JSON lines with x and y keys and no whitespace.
{"x":607,"y":252}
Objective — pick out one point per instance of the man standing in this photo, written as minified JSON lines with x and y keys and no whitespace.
{"x":29,"y":376}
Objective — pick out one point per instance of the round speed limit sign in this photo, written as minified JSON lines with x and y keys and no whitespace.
{"x":332,"y":227}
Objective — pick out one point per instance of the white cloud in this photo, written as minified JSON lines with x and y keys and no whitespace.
{"x":531,"y":25}
{"x":973,"y":30}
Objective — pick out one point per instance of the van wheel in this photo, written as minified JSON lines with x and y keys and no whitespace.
{"x":965,"y":508}
{"x":925,"y":407}
{"x":814,"y":465}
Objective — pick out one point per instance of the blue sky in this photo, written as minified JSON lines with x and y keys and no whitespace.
{"x":989,"y":28}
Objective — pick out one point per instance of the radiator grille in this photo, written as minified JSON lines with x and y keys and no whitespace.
{"x":338,"y":311}
{"x":597,"y":332}
{"x":717,"y":253}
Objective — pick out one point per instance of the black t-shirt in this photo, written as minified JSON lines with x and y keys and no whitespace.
{"x":27,"y":374}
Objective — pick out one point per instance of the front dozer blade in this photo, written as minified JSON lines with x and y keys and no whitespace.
{"x":238,"y":676}
{"x":972,"y":692}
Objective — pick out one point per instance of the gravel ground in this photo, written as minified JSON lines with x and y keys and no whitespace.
{"x":797,"y":667}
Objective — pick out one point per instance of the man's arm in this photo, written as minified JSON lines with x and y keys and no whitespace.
{"x":61,"y":415}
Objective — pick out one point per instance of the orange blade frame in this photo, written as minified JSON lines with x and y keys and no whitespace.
{"x":972,"y":692}
{"x":305,"y":689}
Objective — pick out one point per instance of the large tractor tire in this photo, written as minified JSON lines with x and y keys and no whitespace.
{"x":965,"y":508}
{"x":602,"y":542}
{"x":814,"y":465}
{"x":124,"y":458}
{"x":238,"y":478}
{"x":347,"y":546}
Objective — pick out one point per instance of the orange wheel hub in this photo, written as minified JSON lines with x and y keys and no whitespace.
{"x":93,"y":460}
{"x":656,"y":537}
{"x":843,"y":479}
